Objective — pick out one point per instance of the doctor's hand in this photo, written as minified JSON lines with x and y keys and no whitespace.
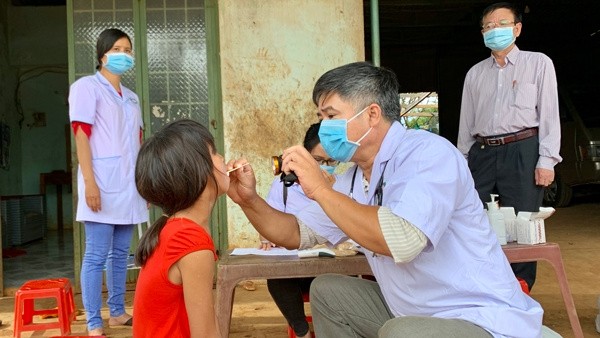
{"x":92,"y":196}
{"x":329,"y":178}
{"x":310,"y":176}
{"x":242,"y":183}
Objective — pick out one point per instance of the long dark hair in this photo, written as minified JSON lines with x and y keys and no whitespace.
{"x":106,"y":40}
{"x":172,"y":170}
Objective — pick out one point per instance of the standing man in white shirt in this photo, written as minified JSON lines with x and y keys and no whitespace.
{"x":509,"y":122}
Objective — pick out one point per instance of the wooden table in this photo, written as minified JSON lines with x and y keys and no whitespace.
{"x":233,"y":269}
{"x":57,"y":178}
{"x":549,"y":252}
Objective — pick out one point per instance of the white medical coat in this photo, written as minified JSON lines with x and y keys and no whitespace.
{"x":462,"y":273}
{"x":114,"y":144}
{"x":296,"y":199}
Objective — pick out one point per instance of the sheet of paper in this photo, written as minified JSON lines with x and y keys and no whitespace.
{"x":271,"y":252}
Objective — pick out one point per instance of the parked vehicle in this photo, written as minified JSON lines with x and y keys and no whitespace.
{"x":580,"y":143}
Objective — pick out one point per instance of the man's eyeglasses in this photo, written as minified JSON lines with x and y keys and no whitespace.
{"x":330,"y":162}
{"x":491,"y":25}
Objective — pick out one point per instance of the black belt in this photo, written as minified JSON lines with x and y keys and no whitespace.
{"x":499,"y":140}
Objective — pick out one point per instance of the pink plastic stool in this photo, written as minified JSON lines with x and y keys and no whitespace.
{"x":57,"y":288}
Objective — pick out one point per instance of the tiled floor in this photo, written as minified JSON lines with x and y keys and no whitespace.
{"x":46,"y":258}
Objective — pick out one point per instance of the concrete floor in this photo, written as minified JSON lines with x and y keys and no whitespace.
{"x":576,"y":229}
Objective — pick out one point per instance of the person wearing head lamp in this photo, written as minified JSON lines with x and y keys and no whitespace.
{"x":509,"y":127}
{"x":107,"y":124}
{"x":409,"y":202}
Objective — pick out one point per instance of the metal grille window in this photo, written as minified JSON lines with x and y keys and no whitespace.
{"x":177,"y":81}
{"x":172,"y":79}
{"x":169,"y":45}
{"x":90,"y":18}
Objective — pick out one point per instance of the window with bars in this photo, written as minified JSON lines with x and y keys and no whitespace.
{"x":173,"y":81}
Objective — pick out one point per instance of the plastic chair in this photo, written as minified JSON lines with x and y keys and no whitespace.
{"x":291,"y":333}
{"x":57,"y":288}
{"x":524,"y":285}
{"x":78,"y":337}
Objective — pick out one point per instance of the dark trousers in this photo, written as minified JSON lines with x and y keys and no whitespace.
{"x":287,"y":294}
{"x":509,"y":171}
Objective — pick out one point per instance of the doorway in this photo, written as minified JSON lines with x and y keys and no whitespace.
{"x":35,"y":89}
{"x":171,"y":79}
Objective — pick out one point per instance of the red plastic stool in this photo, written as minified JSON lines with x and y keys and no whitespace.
{"x":78,"y":337}
{"x":291,"y":333}
{"x":524,"y":285}
{"x":57,"y":288}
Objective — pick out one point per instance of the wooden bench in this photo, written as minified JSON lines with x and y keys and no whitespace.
{"x":233,"y":269}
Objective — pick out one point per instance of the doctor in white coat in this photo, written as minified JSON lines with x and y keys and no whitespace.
{"x":410,"y":202}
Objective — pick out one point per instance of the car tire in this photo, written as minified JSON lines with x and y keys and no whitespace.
{"x":558,"y":194}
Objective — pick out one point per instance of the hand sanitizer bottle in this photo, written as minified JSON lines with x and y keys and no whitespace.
{"x":496,"y":219}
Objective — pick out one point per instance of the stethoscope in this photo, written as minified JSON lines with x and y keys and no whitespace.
{"x":378,"y":188}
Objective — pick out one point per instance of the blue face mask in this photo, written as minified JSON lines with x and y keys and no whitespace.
{"x":328,"y":168}
{"x":118,"y":63}
{"x":499,"y":39}
{"x":334,"y":138}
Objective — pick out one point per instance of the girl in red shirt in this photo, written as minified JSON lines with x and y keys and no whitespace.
{"x":179,"y":171}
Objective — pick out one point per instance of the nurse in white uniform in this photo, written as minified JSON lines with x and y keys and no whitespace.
{"x":107,"y":123}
